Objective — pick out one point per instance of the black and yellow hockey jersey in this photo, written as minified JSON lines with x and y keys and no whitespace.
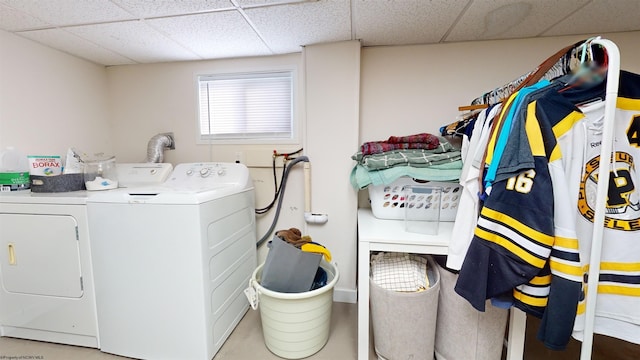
{"x":518,"y":235}
{"x":525,"y":242}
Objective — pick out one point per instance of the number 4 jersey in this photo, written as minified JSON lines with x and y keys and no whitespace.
{"x":618,"y":301}
{"x":534,"y":232}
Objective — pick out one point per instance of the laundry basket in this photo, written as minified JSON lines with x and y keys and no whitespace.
{"x":404,"y":323}
{"x":462,"y":331}
{"x":388,"y":201}
{"x":295,"y":325}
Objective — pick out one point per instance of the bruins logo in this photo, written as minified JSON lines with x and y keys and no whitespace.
{"x":623,"y":201}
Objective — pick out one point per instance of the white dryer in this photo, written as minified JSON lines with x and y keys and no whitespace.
{"x":47,"y":290}
{"x":171,"y":262}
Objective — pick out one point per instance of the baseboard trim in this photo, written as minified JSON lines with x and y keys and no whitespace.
{"x":345,"y":296}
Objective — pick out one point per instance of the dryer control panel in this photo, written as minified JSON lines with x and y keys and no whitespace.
{"x":208,"y":175}
{"x":134,"y":174}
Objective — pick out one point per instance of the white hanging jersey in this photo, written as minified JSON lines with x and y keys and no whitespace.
{"x":618,"y":301}
{"x":467,"y":216}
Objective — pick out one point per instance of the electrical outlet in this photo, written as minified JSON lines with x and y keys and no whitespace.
{"x":240,"y":157}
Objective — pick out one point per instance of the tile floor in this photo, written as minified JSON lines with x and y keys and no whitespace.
{"x":245,"y":343}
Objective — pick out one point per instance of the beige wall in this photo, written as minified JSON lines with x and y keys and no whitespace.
{"x":351,"y":96}
{"x":411,"y":89}
{"x":50,"y":101}
{"x":155,"y":98}
{"x":333,"y":91}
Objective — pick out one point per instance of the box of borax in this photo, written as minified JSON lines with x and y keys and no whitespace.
{"x":45,"y":165}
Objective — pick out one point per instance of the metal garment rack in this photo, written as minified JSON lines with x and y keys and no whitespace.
{"x":613,"y":76}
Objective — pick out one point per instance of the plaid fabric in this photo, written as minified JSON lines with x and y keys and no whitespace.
{"x":417,"y":138}
{"x":415,"y":158}
{"x":399,"y":272}
{"x":418,"y":141}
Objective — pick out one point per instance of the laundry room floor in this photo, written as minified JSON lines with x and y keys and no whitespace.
{"x":245,"y":343}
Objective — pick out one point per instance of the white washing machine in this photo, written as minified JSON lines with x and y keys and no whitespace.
{"x":171,"y":262}
{"x":47,"y":290}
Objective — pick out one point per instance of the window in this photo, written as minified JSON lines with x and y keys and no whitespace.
{"x":253,"y":106}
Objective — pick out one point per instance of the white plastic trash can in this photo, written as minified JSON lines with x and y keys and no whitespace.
{"x":464,"y":332}
{"x":404,"y":323}
{"x":294,"y":325}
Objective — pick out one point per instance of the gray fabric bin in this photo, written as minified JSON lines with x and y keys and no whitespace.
{"x":288,"y":269}
{"x":57,"y":183}
{"x":404,"y":324}
{"x":463,"y":333}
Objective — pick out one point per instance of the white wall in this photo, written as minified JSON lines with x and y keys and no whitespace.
{"x":418,"y":88}
{"x":391,"y":90}
{"x":412,"y":89}
{"x":402,"y":90}
{"x":333,"y":92}
{"x":49,"y":100}
{"x":155,"y":98}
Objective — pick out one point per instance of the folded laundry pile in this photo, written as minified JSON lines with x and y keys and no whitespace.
{"x":417,"y":141}
{"x":421,"y":156}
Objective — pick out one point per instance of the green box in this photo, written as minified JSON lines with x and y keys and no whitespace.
{"x":13,"y":181}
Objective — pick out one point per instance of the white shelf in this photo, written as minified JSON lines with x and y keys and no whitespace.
{"x":372,"y":229}
{"x":390,"y":235}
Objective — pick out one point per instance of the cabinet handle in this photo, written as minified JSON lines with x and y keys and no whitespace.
{"x":12,"y":255}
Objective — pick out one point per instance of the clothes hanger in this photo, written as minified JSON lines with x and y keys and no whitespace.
{"x":588,"y":69}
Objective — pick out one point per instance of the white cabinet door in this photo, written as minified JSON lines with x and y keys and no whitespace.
{"x":39,"y":255}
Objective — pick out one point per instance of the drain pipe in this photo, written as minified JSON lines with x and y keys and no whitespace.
{"x":156,"y":146}
{"x":283,"y":186}
{"x":310,"y":217}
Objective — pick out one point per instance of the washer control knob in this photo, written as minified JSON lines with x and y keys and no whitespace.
{"x":153,"y":171}
{"x":189,"y":172}
{"x":204,"y":172}
{"x":221,"y":172}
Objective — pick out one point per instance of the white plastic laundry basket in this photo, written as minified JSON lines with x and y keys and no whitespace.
{"x":388,"y":201}
{"x":294,"y":325}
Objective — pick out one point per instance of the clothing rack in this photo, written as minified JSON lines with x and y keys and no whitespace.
{"x":611,"y":95}
{"x":613,"y":75}
{"x":553,"y":67}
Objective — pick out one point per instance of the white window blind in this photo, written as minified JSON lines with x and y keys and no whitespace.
{"x":246,"y":106}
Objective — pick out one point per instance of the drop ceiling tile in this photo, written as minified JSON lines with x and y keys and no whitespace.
{"x":213,"y":35}
{"x":70,"y":12}
{"x":504,"y":19}
{"x":380,"y":22}
{"x":287,"y":27}
{"x":135,"y":40}
{"x":74,"y":45}
{"x":601,"y":16}
{"x":14,"y":20}
{"x":155,"y":8}
{"x":253,"y":3}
